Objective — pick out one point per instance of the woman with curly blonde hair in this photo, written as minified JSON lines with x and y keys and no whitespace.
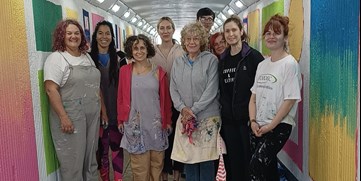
{"x":194,"y":91}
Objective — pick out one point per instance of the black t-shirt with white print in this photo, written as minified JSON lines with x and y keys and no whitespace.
{"x":228,"y":76}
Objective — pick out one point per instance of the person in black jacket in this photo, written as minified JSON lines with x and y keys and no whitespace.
{"x":237,"y":69}
{"x":108,"y":61}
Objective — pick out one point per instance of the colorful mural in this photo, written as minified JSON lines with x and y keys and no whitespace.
{"x":295,"y":36}
{"x":333,"y":89}
{"x":18,"y":156}
{"x":328,"y":115}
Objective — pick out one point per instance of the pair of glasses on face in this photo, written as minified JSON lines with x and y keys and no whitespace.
{"x":206,"y":19}
{"x":194,"y":39}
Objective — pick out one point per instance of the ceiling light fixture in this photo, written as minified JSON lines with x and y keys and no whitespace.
{"x":126,"y":14}
{"x":223,"y":16}
{"x":218,"y":21}
{"x":140,"y":23}
{"x":134,"y":20}
{"x":115,"y":8}
{"x":149,"y":28}
{"x":239,"y":4}
{"x":100,"y":1}
{"x":230,"y":11}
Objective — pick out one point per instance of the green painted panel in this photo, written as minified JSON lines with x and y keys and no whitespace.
{"x":46,"y":16}
{"x":52,"y":163}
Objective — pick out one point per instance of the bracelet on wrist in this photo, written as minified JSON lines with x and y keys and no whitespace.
{"x":252,"y":120}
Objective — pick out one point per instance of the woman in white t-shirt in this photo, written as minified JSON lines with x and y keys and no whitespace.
{"x":72,"y":85}
{"x":273,"y":104}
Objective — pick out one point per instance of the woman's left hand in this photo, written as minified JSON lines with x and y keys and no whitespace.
{"x":264,"y":129}
{"x":105,"y":120}
{"x":169,"y":129}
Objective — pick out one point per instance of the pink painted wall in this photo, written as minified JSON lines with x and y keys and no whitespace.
{"x":18,"y":158}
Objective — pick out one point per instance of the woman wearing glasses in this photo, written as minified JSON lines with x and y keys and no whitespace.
{"x":194,"y":91}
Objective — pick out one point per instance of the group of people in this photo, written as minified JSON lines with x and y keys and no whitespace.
{"x":171,"y":105}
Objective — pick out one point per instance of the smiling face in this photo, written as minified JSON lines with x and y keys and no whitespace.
{"x":104,"y":37}
{"x":232,"y":33}
{"x":275,"y":40}
{"x":219,"y":45}
{"x":192,"y":43}
{"x":72,"y":38}
{"x":139,"y":50}
{"x":166,"y":31}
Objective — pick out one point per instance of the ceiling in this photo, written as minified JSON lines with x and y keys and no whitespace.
{"x":148,"y":12}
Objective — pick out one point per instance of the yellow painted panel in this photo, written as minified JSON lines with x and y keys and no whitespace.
{"x":296,"y":28}
{"x":332,"y":150}
{"x":253,"y":29}
{"x":71,"y":14}
{"x":129,"y":31}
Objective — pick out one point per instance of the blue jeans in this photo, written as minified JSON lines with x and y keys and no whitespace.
{"x":203,"y":171}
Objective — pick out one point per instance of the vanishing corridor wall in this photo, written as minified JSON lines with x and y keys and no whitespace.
{"x":333,"y":90}
{"x":324,"y":39}
{"x":41,"y":17}
{"x":18,"y":160}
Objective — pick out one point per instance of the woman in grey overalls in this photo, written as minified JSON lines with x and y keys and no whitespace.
{"x":72,"y":85}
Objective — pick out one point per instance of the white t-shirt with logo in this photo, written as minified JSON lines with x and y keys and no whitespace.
{"x":274,"y":83}
{"x":56,"y":68}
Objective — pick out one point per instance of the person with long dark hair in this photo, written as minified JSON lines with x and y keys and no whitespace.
{"x":107,"y":60}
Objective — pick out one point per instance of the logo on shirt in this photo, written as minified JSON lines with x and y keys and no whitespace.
{"x":266,"y":78}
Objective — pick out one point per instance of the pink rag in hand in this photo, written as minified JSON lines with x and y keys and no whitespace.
{"x":189,"y":127}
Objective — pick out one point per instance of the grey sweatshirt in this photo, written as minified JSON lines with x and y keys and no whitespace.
{"x":196,"y":86}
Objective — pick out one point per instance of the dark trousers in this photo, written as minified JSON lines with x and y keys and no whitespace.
{"x":263,"y":165}
{"x":236,"y":138}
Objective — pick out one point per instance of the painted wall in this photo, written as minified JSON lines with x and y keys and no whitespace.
{"x":325,"y":143}
{"x":323,"y":146}
{"x":18,"y":157}
{"x":26,"y":149}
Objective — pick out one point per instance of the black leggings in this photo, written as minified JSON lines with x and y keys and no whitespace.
{"x":263,"y":165}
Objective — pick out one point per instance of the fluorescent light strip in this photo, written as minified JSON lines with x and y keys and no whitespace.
{"x":230,"y":11}
{"x":239,"y":4}
{"x":115,"y":8}
{"x":126,"y":14}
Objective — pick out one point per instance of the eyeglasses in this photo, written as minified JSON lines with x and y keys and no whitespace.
{"x":206,"y":19}
{"x":195,"y":39}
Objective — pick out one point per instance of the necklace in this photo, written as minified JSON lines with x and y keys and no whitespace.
{"x":141,"y":70}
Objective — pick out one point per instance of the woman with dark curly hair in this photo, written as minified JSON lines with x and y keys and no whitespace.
{"x":108,"y":62}
{"x":144,"y":110}
{"x":72,"y":85}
